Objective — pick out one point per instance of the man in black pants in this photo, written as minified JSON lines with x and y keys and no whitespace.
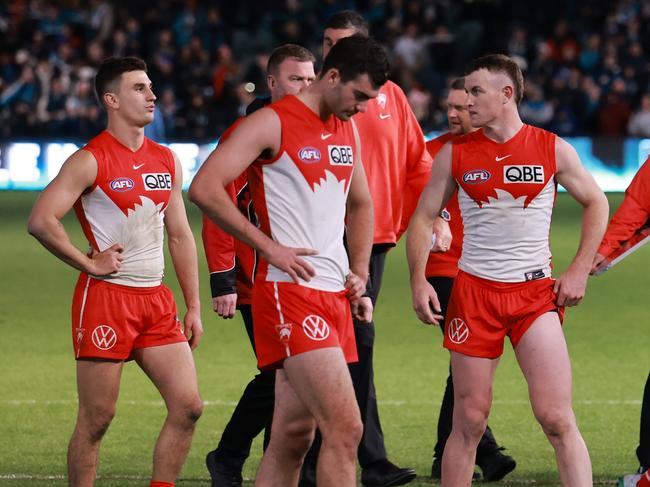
{"x":442,"y":267}
{"x":232,"y":268}
{"x":397,"y":166}
{"x":643,"y":450}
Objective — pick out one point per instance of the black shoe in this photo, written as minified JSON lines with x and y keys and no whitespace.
{"x":307,"y":476}
{"x":386,"y":474}
{"x":436,"y":471}
{"x":496,"y":465}
{"x":222,"y":473}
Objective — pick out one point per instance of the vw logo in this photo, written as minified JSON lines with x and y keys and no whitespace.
{"x":315,"y":328}
{"x":457,"y":331}
{"x":104,"y":337}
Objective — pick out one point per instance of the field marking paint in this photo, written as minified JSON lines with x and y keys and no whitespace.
{"x":388,"y":402}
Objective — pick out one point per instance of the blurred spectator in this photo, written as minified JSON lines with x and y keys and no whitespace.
{"x":54,"y":116}
{"x":639,"y":125}
{"x":534,"y":108}
{"x":613,"y":115}
{"x":587,"y":59}
{"x":420,"y":100}
{"x":409,"y":48}
{"x":168,"y":107}
{"x":83,"y":112}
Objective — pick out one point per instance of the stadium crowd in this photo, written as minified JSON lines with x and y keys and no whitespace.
{"x":586,"y":76}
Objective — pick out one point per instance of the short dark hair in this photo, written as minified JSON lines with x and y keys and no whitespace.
{"x":111,"y":70}
{"x":288,"y":51}
{"x":357,"y":55}
{"x":457,"y":84}
{"x":500,"y":63}
{"x":348,"y":19}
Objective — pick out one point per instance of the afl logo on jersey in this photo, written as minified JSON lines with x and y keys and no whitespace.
{"x":122,"y":184}
{"x":157,"y":181}
{"x":309,"y":155}
{"x":476,"y":176}
{"x":523,"y":174}
{"x":340,"y":155}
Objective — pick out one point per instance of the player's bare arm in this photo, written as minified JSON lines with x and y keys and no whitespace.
{"x":257,"y":133}
{"x":570,"y":287}
{"x":418,"y":241}
{"x":77,"y":174}
{"x":360,"y":230}
{"x":182,"y":249}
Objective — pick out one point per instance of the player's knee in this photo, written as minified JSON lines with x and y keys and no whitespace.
{"x":555,"y":423}
{"x":188,"y":411}
{"x":96,"y":419}
{"x":298,"y":436}
{"x":344,"y":431}
{"x":194,"y":409}
{"x":472,"y":422}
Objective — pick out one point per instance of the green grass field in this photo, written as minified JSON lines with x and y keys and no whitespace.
{"x":608,"y":338}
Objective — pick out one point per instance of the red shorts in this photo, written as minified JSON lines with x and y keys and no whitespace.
{"x":111,"y":321}
{"x":482,"y":312}
{"x":289,"y":319}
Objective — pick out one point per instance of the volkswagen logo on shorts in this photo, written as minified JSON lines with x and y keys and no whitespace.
{"x":309,"y":155}
{"x":122,"y":184}
{"x":104,"y":337}
{"x":476,"y":176}
{"x":315,"y":328}
{"x":457,"y":331}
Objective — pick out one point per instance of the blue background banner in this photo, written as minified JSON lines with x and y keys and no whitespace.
{"x":31,"y":165}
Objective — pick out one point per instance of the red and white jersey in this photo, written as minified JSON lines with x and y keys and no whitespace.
{"x":300,"y":194}
{"x":126,"y":205}
{"x":395,"y":158}
{"x":445,"y":264}
{"x":506,"y":194}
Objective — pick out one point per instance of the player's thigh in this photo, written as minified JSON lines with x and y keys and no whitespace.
{"x":321,"y":380}
{"x":171,"y":369}
{"x":472,"y":377}
{"x":98,"y":384}
{"x":291,"y":415}
{"x":544,"y":360}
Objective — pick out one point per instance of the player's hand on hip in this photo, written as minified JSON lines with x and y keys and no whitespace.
{"x":288,"y":260}
{"x":425,"y":302}
{"x":597,"y":263}
{"x":355,"y":286}
{"x":443,"y":237}
{"x":107,"y":261}
{"x":225,"y":305}
{"x":362,"y":309}
{"x":570,"y":287}
{"x":192,"y":327}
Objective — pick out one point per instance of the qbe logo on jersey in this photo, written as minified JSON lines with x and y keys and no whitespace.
{"x":157,"y":181}
{"x":340,"y":155}
{"x":523,"y":174}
